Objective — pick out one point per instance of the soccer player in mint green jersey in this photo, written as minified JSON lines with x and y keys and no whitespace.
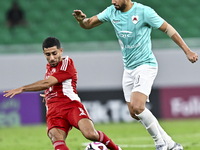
{"x":133,"y":23}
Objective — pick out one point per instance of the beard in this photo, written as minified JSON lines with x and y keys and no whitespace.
{"x":55,"y":63}
{"x":122,"y":7}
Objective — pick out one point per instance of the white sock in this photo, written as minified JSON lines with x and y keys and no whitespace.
{"x":148,"y":121}
{"x":165,"y":136}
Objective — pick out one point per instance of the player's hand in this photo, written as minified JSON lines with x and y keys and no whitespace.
{"x":43,"y":95}
{"x":13,"y":92}
{"x":79,"y":15}
{"x":193,"y":57}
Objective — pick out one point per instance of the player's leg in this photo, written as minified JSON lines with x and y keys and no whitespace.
{"x":135,"y":84}
{"x":170,"y":143}
{"x":165,"y":136}
{"x":80,"y":119}
{"x":144,"y":77}
{"x":57,"y":131}
{"x":86,"y":126}
{"x":137,"y":106}
{"x":58,"y":137}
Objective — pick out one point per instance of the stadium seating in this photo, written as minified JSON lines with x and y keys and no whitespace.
{"x":54,"y":18}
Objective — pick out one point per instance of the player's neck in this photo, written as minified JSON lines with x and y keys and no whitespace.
{"x":129,"y":6}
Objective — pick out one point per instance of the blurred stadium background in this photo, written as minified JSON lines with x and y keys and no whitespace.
{"x":175,"y":92}
{"x":50,"y":17}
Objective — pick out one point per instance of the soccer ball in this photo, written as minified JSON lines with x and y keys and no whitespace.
{"x":96,"y":146}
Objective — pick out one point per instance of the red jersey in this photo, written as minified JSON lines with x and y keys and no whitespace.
{"x":65,"y":90}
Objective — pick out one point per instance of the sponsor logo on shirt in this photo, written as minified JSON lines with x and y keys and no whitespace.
{"x":128,"y":46}
{"x":135,"y":19}
{"x":50,"y":95}
{"x":115,"y":21}
{"x":133,"y":46}
{"x":125,"y":34}
{"x":53,"y":71}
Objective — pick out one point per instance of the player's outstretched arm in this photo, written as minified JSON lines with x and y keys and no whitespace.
{"x":37,"y":86}
{"x":86,"y":23}
{"x":13,"y":92}
{"x":173,"y":34}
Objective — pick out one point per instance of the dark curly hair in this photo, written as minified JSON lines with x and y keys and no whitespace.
{"x":50,"y":42}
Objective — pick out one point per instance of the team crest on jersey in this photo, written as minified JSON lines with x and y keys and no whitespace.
{"x":135,"y":19}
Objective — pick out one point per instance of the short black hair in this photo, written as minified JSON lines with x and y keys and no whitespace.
{"x":50,"y":42}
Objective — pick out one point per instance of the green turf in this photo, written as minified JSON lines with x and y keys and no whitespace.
{"x":130,"y":136}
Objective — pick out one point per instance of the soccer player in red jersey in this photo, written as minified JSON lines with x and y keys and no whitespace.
{"x":64,"y":107}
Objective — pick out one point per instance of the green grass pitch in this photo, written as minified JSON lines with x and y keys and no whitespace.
{"x":130,"y":136}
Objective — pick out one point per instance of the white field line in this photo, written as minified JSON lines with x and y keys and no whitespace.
{"x":125,"y":145}
{"x":143,"y":138}
{"x":152,"y":145}
{"x":147,"y":145}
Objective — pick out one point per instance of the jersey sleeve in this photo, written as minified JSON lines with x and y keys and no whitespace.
{"x":66,"y":71}
{"x":104,"y":15}
{"x":152,"y":18}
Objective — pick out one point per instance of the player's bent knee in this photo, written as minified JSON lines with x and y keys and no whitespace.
{"x":137,"y":109}
{"x":56,"y":135}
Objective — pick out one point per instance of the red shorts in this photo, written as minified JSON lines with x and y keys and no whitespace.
{"x":65,"y":115}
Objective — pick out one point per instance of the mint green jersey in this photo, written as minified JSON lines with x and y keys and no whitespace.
{"x":133,"y":29}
